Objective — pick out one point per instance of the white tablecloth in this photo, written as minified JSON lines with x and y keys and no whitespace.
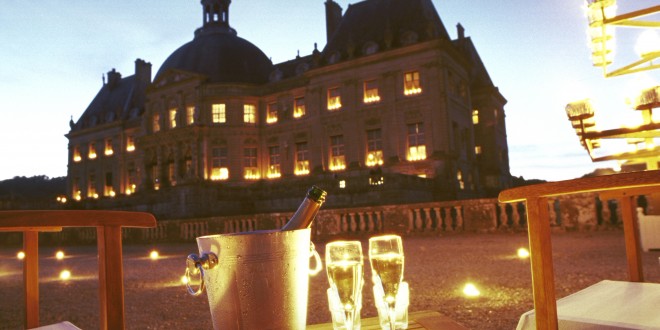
{"x":607,"y":305}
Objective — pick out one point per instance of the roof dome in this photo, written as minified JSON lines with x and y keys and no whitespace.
{"x":218,"y":53}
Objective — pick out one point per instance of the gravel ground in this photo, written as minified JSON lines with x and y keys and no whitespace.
{"x":436,"y":269}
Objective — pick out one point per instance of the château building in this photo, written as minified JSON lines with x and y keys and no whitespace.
{"x":391,"y":109}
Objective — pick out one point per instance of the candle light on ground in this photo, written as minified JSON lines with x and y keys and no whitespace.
{"x":154,"y":255}
{"x":470,"y":290}
{"x":65,"y":275}
{"x":523,"y":253}
{"x":59,"y":255}
{"x":20,"y":255}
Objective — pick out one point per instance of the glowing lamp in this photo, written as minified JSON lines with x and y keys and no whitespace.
{"x":59,"y":255}
{"x":154,"y":255}
{"x":470,"y":290}
{"x":648,"y":98}
{"x":65,"y":275}
{"x":523,"y":253}
{"x":20,"y":255}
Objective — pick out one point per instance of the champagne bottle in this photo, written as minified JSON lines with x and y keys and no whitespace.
{"x":307,"y":210}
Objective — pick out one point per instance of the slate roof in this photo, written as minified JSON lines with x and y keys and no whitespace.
{"x":113,"y":102}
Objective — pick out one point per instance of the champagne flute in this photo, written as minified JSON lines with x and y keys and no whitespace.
{"x":386,"y":258}
{"x":344,"y":267}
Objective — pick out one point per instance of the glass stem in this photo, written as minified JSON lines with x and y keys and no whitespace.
{"x":391,"y":315}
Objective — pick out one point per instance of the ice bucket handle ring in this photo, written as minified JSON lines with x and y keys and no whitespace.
{"x":317,"y":260}
{"x":196,"y":265}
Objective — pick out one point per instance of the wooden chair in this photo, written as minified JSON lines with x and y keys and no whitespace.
{"x":108,"y":231}
{"x":624,"y":187}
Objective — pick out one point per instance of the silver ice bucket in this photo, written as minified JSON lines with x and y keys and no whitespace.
{"x":255,"y":280}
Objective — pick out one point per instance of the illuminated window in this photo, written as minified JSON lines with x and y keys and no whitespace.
{"x":172,"y":118}
{"x":416,"y":146}
{"x":219,"y":164}
{"x":155,"y":122}
{"x":274,"y":162}
{"x":411,"y":85}
{"x":108,"y":151}
{"x":475,"y":116}
{"x":371,"y":91}
{"x":374,"y":148}
{"x":342,"y":184}
{"x":190,"y":115}
{"x":76,"y":154}
{"x":76,"y":193}
{"x":249,"y":114}
{"x":299,"y":107}
{"x":130,"y":143}
{"x":376,"y":181}
{"x":271,"y":113}
{"x":132,"y":179}
{"x":459,"y":178}
{"x":302,"y":159}
{"x":91,"y":187}
{"x":218,"y":113}
{"x":337,"y":158}
{"x":477,"y":150}
{"x":250,"y":170}
{"x":108,"y":190}
{"x":91,"y":154}
{"x":334,"y":98}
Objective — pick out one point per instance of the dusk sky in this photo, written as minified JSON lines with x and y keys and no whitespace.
{"x":54,"y":54}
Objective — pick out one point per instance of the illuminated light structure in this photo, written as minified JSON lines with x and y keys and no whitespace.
{"x":603,"y":19}
{"x":392,"y":97}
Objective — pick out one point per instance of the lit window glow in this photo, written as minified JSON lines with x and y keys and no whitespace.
{"x":342,"y":184}
{"x":416,"y":146}
{"x":249,"y":114}
{"x":334,"y":99}
{"x":65,"y":275}
{"x":251,"y":173}
{"x":376,"y":181}
{"x":477,"y":150}
{"x":155,"y":123}
{"x":470,"y":290}
{"x":190,"y":115}
{"x":218,"y":113}
{"x":108,"y":148}
{"x":299,"y":107}
{"x":371,"y":91}
{"x":302,"y":167}
{"x":172,"y":118}
{"x":411,"y":85}
{"x":274,"y":172}
{"x":337,"y":163}
{"x":271,"y":113}
{"x":475,"y":116}
{"x":302,"y":159}
{"x":92,"y":151}
{"x":220,"y":173}
{"x":375,"y":158}
{"x":416,"y":153}
{"x":76,"y":154}
{"x":130,"y":144}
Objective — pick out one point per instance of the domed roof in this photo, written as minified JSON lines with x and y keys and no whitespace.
{"x":218,"y":53}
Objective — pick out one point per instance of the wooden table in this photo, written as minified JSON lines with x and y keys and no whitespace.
{"x":431,"y":320}
{"x":623,"y":187}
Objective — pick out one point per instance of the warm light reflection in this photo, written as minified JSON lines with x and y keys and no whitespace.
{"x":59,"y":255}
{"x":523,"y":253}
{"x":337,"y":163}
{"x":251,"y":173}
{"x":302,"y":167}
{"x":65,"y":275}
{"x":20,"y":255}
{"x":411,"y":85}
{"x":273,"y":172}
{"x":154,"y":255}
{"x":334,"y":99}
{"x":375,"y":158}
{"x":470,"y":290}
{"x":416,"y":153}
{"x":220,"y":173}
{"x":184,"y":279}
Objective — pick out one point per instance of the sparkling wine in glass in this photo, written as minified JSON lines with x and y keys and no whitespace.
{"x":386,"y":257}
{"x":344,"y":267}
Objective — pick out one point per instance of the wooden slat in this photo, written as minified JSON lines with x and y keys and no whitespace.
{"x":543,"y":277}
{"x":111,"y":274}
{"x":41,"y":229}
{"x":31,"y":278}
{"x":75,"y":218}
{"x":631,"y":234}
{"x":634,"y":183}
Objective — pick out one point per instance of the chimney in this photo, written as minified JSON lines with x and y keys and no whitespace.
{"x":113,"y":79}
{"x":332,"y":17}
{"x":142,"y":71}
{"x":460,"y":30}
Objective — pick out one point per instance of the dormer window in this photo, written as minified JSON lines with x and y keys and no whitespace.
{"x":411,"y":85}
{"x":334,"y":98}
{"x":271,"y":113}
{"x":371,"y":91}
